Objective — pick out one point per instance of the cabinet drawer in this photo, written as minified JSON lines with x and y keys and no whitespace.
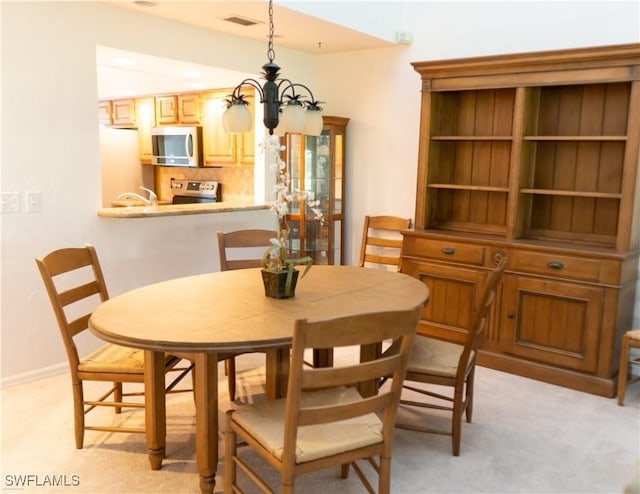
{"x":558,"y":266}
{"x":445,"y":251}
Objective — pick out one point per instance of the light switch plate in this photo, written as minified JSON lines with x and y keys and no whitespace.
{"x":33,"y":201}
{"x":10,"y":202}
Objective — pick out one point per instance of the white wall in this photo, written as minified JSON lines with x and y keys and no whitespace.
{"x":50,"y":133}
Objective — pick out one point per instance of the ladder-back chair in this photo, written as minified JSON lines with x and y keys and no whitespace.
{"x":437,"y":362}
{"x":381,"y":241}
{"x":241,"y":249}
{"x":324,"y":420}
{"x":75,"y":284}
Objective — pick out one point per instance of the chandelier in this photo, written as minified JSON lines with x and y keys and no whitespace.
{"x":283,"y":105}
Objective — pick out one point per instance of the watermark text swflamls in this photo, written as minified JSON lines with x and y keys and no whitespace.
{"x":24,"y":480}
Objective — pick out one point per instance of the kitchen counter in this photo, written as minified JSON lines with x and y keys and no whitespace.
{"x":177,"y":209}
{"x":132,"y":202}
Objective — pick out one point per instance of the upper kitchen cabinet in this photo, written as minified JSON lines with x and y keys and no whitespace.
{"x":179,"y":109}
{"x":221,"y":148}
{"x":534,"y":157}
{"x":317,"y":164}
{"x":145,"y":120}
{"x":129,"y":113}
{"x":104,"y":112}
{"x":118,"y":113}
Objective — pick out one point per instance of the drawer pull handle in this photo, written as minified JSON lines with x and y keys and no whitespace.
{"x":448,"y":250}
{"x":510,"y":315}
{"x":555,"y":265}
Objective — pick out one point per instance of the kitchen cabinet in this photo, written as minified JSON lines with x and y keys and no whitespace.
{"x":145,"y":120}
{"x":104,"y":112}
{"x":117,"y":113}
{"x":317,"y":164}
{"x":178,"y":109}
{"x":535,"y":157}
{"x":124,"y":112}
{"x":221,"y":148}
{"x":130,"y":113}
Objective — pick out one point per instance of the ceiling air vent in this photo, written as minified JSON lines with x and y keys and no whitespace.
{"x":241,"y":20}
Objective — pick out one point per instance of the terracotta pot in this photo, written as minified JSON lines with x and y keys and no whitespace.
{"x":275,"y":283}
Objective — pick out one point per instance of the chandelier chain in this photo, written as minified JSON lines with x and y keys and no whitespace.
{"x":271,"y":55}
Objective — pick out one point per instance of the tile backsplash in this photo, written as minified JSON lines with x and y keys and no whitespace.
{"x":237,"y":181}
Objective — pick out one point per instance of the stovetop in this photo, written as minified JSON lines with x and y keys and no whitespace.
{"x":203,"y":189}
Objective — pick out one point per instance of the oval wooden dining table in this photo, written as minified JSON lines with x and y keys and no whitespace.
{"x":204,"y":315}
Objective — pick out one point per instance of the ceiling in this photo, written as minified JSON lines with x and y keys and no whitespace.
{"x":125,"y":74}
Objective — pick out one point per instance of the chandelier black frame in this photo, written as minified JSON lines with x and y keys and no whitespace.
{"x":279,"y":99}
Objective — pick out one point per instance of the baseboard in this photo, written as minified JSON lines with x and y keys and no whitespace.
{"x":34,"y":375}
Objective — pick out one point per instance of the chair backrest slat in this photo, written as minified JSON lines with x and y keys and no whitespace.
{"x":78,"y":293}
{"x":345,"y":411}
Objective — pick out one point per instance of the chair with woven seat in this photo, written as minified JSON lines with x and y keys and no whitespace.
{"x":631,"y":339}
{"x":241,"y":249}
{"x":381,"y":241}
{"x":324,"y":420}
{"x":75,"y":284}
{"x":452,"y":365}
{"x":381,"y":248}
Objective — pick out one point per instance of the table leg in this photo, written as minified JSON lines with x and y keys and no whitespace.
{"x":206,"y":390}
{"x":322,"y":357}
{"x":154,"y":407}
{"x":368,"y":353}
{"x":277,"y":373}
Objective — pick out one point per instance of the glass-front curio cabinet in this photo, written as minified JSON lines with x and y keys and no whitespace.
{"x":317,"y":164}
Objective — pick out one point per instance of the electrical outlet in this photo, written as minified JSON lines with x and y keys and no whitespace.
{"x":10,"y":202}
{"x":33,"y":201}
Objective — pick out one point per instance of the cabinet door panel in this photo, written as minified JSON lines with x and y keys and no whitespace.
{"x":218,"y":146}
{"x":124,"y":112}
{"x":452,"y":291}
{"x":167,"y":109}
{"x":145,"y":119}
{"x":551,"y":322}
{"x":105,"y":110}
{"x":189,"y":109}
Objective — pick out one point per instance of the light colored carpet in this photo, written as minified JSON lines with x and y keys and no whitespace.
{"x":527,"y":437}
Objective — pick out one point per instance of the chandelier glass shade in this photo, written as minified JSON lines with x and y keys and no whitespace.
{"x":287,"y":106}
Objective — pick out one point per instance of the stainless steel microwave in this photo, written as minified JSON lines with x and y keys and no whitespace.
{"x":176,"y":146}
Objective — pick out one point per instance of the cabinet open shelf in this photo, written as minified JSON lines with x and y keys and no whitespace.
{"x":576,"y":138}
{"x":469,"y":187}
{"x":471,"y":138}
{"x":571,"y":193}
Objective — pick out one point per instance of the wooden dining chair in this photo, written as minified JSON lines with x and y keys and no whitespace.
{"x":381,"y":241}
{"x":241,"y":249}
{"x":324,"y":420}
{"x":75,"y":284}
{"x":441,"y":363}
{"x":631,"y":339}
{"x":380,"y":248}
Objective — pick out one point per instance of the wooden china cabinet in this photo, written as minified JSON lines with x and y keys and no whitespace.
{"x":535,"y":157}
{"x":317,"y":163}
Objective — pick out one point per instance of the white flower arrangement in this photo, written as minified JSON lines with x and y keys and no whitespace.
{"x":275,"y":257}
{"x":283,"y":196}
